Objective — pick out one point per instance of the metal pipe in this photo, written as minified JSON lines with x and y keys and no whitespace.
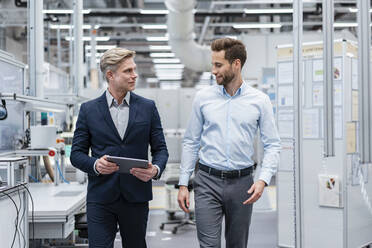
{"x":297,"y":94}
{"x":59,"y":48}
{"x":328,"y":17}
{"x":180,"y":25}
{"x":36,"y":48}
{"x":364,"y":80}
{"x":78,"y":68}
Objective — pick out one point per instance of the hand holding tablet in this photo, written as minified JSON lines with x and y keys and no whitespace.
{"x":125,"y":164}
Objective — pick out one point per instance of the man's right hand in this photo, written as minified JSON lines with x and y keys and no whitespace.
{"x":105,"y":167}
{"x":184,"y":198}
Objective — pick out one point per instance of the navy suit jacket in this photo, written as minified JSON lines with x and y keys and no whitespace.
{"x":96,"y":130}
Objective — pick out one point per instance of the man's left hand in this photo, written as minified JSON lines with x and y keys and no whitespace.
{"x":257,"y":189}
{"x":145,"y":174}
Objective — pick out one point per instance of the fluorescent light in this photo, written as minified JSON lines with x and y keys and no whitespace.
{"x":345,"y":24}
{"x":164,"y":74}
{"x":159,"y":47}
{"x":97,"y":54}
{"x":64,"y":11}
{"x":169,"y":66}
{"x":268,"y":11}
{"x":99,"y":38}
{"x":154,"y":11}
{"x":101,"y":47}
{"x":161,"y":55}
{"x":152,"y":80}
{"x":258,"y":25}
{"x":88,"y":38}
{"x":232,"y":37}
{"x":66,"y":26}
{"x":354,"y":10}
{"x":170,"y":77}
{"x":168,"y":71}
{"x":154,"y":26}
{"x":157,"y":38}
{"x":166,"y":61}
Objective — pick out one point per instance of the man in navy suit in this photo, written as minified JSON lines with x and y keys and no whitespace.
{"x":119,"y":123}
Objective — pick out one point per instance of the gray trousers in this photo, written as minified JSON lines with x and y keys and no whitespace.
{"x":216,"y":197}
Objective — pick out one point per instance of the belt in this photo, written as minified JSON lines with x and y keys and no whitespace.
{"x":225,"y":173}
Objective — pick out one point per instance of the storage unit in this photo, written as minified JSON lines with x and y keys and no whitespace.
{"x":14,"y":203}
{"x":14,"y":170}
{"x":334,"y":211}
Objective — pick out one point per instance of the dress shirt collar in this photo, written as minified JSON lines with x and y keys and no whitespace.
{"x":237,"y":93}
{"x":111,"y":100}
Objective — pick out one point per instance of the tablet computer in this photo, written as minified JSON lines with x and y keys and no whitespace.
{"x":125,"y":164}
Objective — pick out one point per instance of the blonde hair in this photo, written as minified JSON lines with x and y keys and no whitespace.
{"x":112,"y":58}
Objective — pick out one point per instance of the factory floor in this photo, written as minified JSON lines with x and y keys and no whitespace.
{"x":263,"y":231}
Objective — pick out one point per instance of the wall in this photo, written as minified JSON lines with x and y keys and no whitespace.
{"x":261,"y":49}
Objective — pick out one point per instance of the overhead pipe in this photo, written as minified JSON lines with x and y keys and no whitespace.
{"x":364,"y":80}
{"x":328,"y":17}
{"x":181,"y":36}
{"x":36,"y":48}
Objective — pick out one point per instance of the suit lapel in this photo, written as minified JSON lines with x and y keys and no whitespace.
{"x":133,"y":106}
{"x":104,"y":109}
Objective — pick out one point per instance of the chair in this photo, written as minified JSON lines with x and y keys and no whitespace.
{"x":186,"y":220}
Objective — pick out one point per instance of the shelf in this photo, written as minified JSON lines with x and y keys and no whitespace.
{"x":37,"y":104}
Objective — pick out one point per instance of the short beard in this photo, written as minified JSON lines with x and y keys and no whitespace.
{"x":227,"y":78}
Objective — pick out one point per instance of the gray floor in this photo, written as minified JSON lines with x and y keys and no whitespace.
{"x":263,"y":233}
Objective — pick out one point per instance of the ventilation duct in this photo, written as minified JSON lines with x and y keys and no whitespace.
{"x":181,"y":36}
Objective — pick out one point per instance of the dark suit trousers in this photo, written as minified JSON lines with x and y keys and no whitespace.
{"x":104,"y":218}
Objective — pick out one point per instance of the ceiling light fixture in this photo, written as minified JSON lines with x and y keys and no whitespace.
{"x":169,"y":66}
{"x":166,"y":61}
{"x":154,"y":11}
{"x":67,"y":26}
{"x":101,"y":47}
{"x":268,"y":11}
{"x":257,"y":25}
{"x":64,"y":11}
{"x":165,"y":48}
{"x":88,"y":38}
{"x":162,"y":55}
{"x":157,"y":38}
{"x":345,"y":24}
{"x":354,"y":10}
{"x":154,"y":26}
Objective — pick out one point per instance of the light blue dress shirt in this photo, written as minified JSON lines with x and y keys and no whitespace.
{"x":222,"y":128}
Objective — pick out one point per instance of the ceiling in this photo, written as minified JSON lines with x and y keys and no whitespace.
{"x":123,"y":21}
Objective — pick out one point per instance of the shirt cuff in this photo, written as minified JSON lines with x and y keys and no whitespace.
{"x":184,"y":180}
{"x":266,"y":177}
{"x":94,"y":168}
{"x":158,"y":174}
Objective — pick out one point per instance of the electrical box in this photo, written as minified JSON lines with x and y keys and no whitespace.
{"x":13,"y":170}
{"x":43,"y":137}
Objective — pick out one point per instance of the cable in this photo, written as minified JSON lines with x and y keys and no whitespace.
{"x":60,"y":173}
{"x":33,"y":178}
{"x":32,"y":212}
{"x":16,"y":222}
{"x":23,"y":215}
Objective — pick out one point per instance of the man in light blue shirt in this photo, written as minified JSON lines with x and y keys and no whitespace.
{"x":221,"y":131}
